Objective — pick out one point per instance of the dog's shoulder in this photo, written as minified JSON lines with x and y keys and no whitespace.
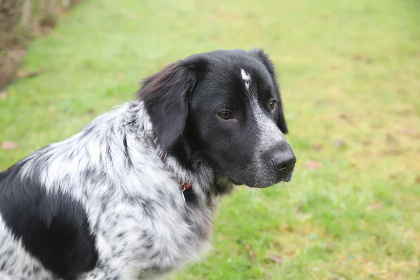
{"x":52,"y":226}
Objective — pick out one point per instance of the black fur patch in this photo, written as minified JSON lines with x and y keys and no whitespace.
{"x":166,"y":96}
{"x":53,"y":227}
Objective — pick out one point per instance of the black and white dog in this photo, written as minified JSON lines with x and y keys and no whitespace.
{"x":133,"y":195}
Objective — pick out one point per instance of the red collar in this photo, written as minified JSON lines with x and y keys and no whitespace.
{"x":185,"y":185}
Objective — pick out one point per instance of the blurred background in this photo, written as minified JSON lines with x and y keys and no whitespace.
{"x":349,"y":73}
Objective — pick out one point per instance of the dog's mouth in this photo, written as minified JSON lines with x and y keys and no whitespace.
{"x":285,"y":176}
{"x":289,"y":175}
{"x":234,"y":181}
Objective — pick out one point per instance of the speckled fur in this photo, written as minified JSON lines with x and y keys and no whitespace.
{"x":114,"y":193}
{"x":133,"y":200}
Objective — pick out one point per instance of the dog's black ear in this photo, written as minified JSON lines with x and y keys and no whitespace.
{"x":166,"y":97}
{"x":263,"y":57}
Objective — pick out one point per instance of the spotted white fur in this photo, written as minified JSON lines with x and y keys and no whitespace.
{"x":15,"y":262}
{"x":124,"y":206}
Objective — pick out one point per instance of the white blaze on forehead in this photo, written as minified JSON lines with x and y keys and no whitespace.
{"x":246,"y":77}
{"x":269,"y":134}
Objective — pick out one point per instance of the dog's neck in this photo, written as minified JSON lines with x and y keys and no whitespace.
{"x":184,"y":185}
{"x":204,"y":183}
{"x":200,"y":179}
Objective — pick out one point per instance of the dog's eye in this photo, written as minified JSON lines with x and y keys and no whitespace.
{"x":273,"y":104}
{"x":225,"y":115}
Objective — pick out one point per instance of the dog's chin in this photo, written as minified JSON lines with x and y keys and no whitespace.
{"x":262,"y":184}
{"x":288,"y":176}
{"x":237,"y":183}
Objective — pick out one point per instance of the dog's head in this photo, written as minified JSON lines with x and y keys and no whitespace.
{"x":222,"y":107}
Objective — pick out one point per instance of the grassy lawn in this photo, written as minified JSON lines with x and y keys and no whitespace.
{"x":350,"y":78}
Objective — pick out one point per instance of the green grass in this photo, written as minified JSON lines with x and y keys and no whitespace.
{"x":350,"y":78}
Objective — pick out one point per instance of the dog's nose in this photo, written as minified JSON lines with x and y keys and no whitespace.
{"x":283,"y":159}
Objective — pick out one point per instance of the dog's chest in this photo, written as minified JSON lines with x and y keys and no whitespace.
{"x":152,"y":236}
